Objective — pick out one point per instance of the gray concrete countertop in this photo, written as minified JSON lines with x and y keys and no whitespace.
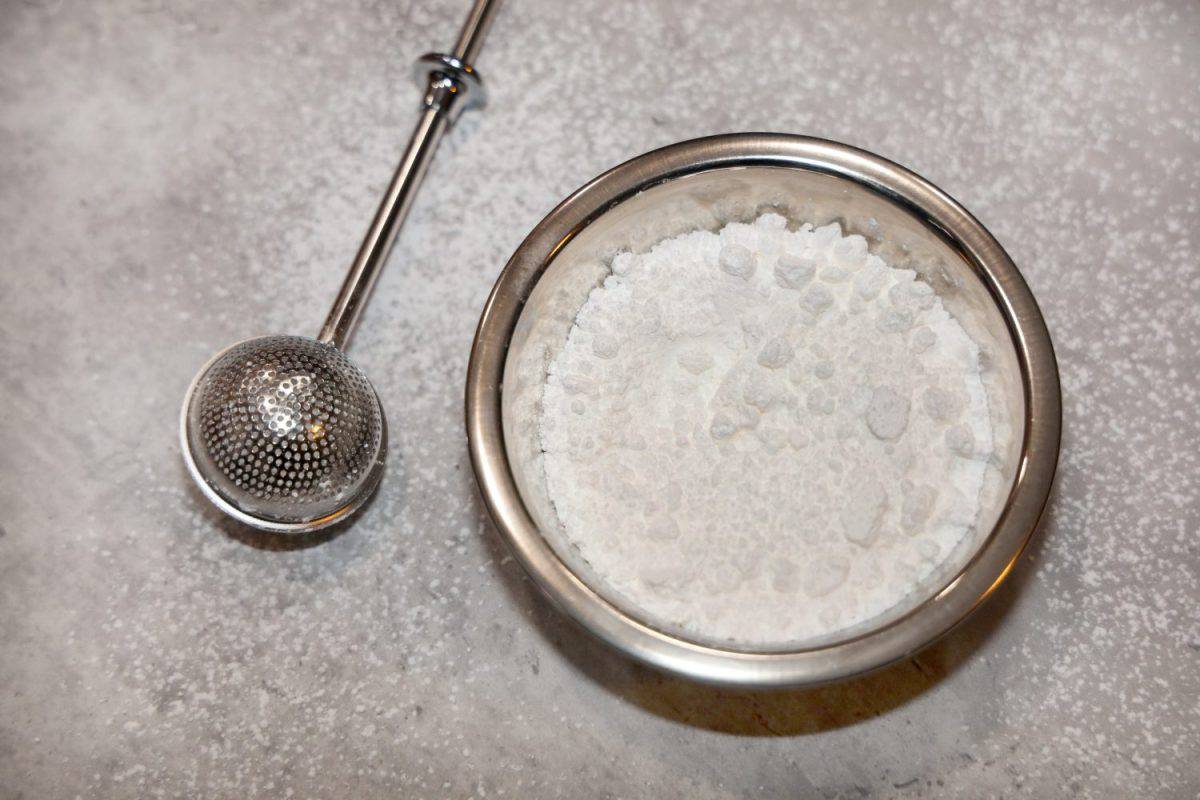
{"x":175,"y":176}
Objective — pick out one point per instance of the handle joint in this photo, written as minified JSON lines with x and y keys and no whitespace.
{"x":451,"y":85}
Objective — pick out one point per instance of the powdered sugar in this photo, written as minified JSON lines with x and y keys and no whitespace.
{"x":763,"y":435}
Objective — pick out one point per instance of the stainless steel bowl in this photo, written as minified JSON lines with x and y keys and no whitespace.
{"x":706,"y":183}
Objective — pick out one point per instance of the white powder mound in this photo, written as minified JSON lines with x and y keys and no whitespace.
{"x":763,"y":435}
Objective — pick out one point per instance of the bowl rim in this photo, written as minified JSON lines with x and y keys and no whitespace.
{"x":900,"y":638}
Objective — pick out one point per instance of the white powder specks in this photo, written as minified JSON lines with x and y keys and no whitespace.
{"x":785,"y":452}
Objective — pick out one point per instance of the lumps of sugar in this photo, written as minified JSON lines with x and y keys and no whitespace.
{"x":722,"y":426}
{"x":758,"y":392}
{"x":960,"y":440}
{"x":820,"y":401}
{"x":942,"y":405}
{"x":752,"y":326}
{"x":772,"y":438}
{"x":824,"y":236}
{"x":862,"y":512}
{"x":923,"y":338}
{"x":869,"y":281}
{"x":605,"y":346}
{"x":824,"y":575}
{"x":662,"y":529}
{"x":785,"y":576}
{"x":823,"y":370}
{"x":887,"y":415}
{"x":816,"y":298}
{"x":747,"y":416}
{"x":794,"y":271}
{"x":736,"y":260}
{"x":577,"y":384}
{"x":917,"y":508}
{"x":776,"y":353}
{"x":894,"y":321}
{"x":851,"y":252}
{"x":771,"y":221}
{"x":832,"y":274}
{"x":695,"y":360}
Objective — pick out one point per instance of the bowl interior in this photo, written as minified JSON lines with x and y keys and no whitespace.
{"x":708,"y":200}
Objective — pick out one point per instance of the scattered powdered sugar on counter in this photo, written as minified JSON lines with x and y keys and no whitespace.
{"x":763,"y":435}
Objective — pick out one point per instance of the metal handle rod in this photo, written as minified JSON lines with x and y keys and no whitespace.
{"x":445,"y":89}
{"x":474,"y":29}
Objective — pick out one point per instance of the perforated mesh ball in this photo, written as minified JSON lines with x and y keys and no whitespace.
{"x":285,"y":429}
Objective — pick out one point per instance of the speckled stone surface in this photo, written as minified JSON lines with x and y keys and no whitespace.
{"x":175,"y":176}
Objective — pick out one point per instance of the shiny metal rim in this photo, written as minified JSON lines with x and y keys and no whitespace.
{"x":271,"y":526}
{"x":901,"y":638}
